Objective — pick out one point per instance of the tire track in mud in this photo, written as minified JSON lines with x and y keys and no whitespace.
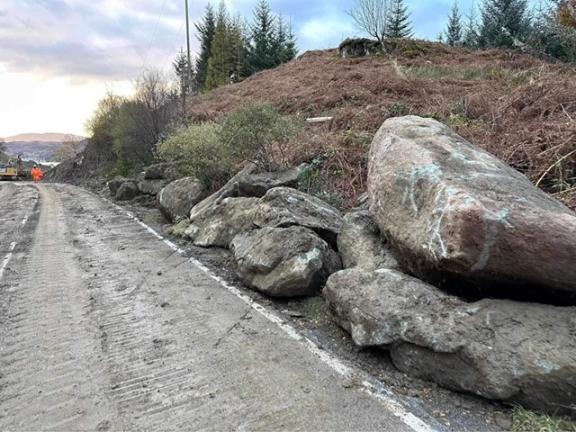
{"x":110,"y":329}
{"x":48,"y":374}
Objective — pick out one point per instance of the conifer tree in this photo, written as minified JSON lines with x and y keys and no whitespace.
{"x":185,"y":76}
{"x":454,"y":29}
{"x":205,"y":29}
{"x":237,"y":50}
{"x":471,"y":36}
{"x":262,"y":53}
{"x":398,"y":25}
{"x":219,"y":64}
{"x":285,"y":44}
{"x":504,"y":22}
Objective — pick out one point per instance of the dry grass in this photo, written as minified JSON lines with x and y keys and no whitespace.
{"x":519,"y":108}
{"x":524,"y":420}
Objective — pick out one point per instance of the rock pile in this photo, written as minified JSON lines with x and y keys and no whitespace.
{"x":440,"y":214}
{"x":280,"y":237}
{"x":148,"y":183}
{"x":450,"y":211}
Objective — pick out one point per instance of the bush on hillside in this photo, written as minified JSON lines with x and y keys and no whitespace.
{"x":198,"y":152}
{"x":258,"y":133}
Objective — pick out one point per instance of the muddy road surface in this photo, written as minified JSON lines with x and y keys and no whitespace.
{"x":104,"y":326}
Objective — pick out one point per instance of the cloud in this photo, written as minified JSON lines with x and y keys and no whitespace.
{"x":110,"y":39}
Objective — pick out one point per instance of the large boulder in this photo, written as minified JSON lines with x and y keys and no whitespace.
{"x":450,"y":207}
{"x":497,"y":349}
{"x":215,"y":225}
{"x":361,"y":245}
{"x":283,"y":207}
{"x":151,"y":187}
{"x":127,"y":191}
{"x":177,"y":199}
{"x":284,"y":262}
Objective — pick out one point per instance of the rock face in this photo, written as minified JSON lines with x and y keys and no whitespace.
{"x":283,"y":207}
{"x":127,"y":191}
{"x":151,"y":187}
{"x":177,"y":199}
{"x":284,"y":262}
{"x":361,"y":245}
{"x":449,"y":206}
{"x":497,"y":349}
{"x":216,"y":224}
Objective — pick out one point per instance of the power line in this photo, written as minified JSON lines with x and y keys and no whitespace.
{"x":154,"y":32}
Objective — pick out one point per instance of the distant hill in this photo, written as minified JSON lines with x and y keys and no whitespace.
{"x":39,"y":147}
{"x":44,"y":137}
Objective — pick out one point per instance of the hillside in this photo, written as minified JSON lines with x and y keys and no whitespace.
{"x":518,"y":107}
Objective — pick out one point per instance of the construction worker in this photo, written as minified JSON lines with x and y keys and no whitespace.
{"x":37,"y":174}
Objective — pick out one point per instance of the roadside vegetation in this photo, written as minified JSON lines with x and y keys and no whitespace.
{"x":524,"y":420}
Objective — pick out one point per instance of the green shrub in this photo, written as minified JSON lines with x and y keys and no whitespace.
{"x":257,"y":133}
{"x":198,"y":152}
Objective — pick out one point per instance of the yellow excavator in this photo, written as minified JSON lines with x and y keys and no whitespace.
{"x":13,"y":170}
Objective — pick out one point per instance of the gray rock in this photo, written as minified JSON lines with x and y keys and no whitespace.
{"x":157,"y":171}
{"x":361,"y":245}
{"x":218,"y":223}
{"x":283,"y":207}
{"x":115,"y":183}
{"x":448,"y":206}
{"x":257,"y":184}
{"x":177,"y":199}
{"x":284,"y":262}
{"x":498,"y":349}
{"x":151,"y":187}
{"x":127,"y":191}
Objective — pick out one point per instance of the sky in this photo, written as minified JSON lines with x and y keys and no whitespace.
{"x":58,"y":58}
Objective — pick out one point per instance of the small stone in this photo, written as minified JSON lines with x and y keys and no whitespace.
{"x":503,"y":420}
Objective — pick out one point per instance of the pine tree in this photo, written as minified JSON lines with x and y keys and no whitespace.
{"x":219,"y":64}
{"x":237,"y":50}
{"x":261,"y":52}
{"x":185,"y":76}
{"x":454,"y":29}
{"x":398,"y":21}
{"x":471,"y":35}
{"x":205,"y":30}
{"x":285,"y":43}
{"x":504,"y":23}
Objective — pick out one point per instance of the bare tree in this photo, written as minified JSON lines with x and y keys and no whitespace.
{"x":70,"y":147}
{"x":371,"y":16}
{"x":154,"y":93}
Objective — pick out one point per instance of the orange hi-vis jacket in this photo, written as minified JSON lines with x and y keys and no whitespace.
{"x":37,"y":174}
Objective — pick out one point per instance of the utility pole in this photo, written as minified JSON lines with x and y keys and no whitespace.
{"x":189,"y":65}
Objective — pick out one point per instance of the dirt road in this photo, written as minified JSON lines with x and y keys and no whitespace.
{"x":103,"y":326}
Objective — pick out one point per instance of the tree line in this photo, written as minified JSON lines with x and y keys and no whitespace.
{"x":232,"y":49}
{"x":550,"y":29}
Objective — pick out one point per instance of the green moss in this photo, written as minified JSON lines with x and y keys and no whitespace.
{"x":179,"y":229}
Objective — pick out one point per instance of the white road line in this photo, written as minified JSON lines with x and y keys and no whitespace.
{"x":7,"y":259}
{"x":370,"y":384}
{"x":10,"y":254}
